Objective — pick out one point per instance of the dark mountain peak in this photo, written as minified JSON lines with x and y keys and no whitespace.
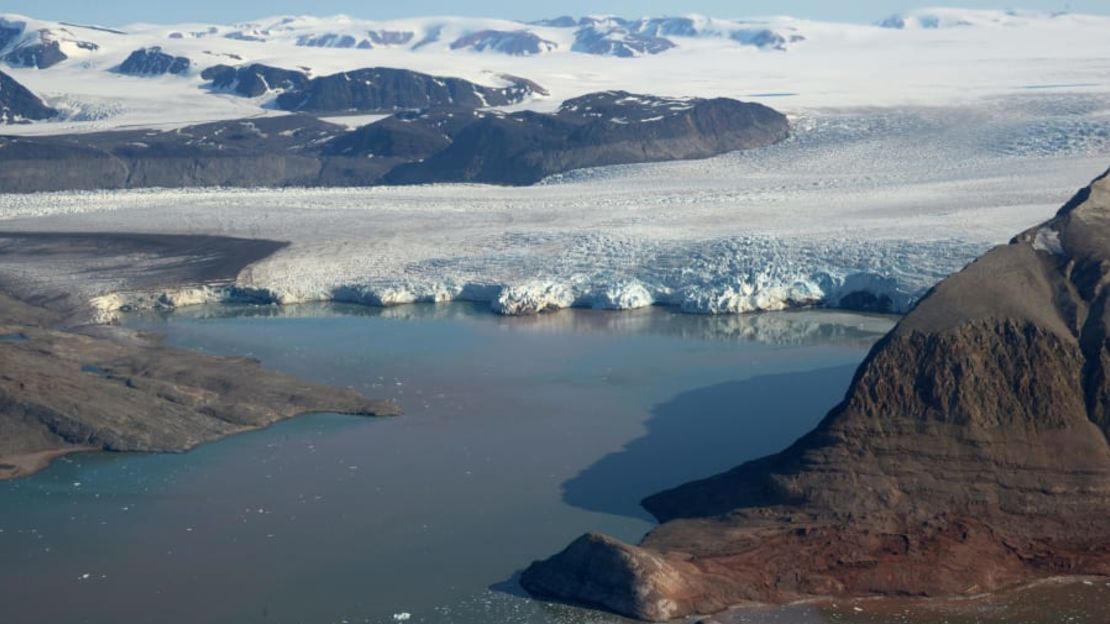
{"x":608,"y":38}
{"x":389,"y":89}
{"x":380,"y":38}
{"x":328,"y":40}
{"x":514,"y":42}
{"x":19,"y":105}
{"x":254,"y":80}
{"x":10,"y":32}
{"x":153,"y":62}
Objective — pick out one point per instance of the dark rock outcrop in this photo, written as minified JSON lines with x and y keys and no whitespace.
{"x":389,"y":37}
{"x":153,"y":62}
{"x":764,"y":38}
{"x":374,"y":89}
{"x":616,"y":36}
{"x":516,"y":42}
{"x":439,"y":144}
{"x":329,"y":40}
{"x":614,"y":39}
{"x":10,"y":32}
{"x":407,"y":136}
{"x":970,"y":453}
{"x":608,"y":128}
{"x":276,"y":151}
{"x":383,"y":89}
{"x":40,"y":49}
{"x":253,"y":80}
{"x":18,"y":104}
{"x":38,"y":55}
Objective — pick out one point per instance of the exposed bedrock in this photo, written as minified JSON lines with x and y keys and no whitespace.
{"x":444,"y":143}
{"x":19,"y":105}
{"x":970,"y":453}
{"x":66,"y":389}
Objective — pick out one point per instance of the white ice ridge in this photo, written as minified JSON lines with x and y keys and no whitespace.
{"x":721,"y":276}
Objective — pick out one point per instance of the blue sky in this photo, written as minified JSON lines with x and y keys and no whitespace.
{"x":118,"y":12}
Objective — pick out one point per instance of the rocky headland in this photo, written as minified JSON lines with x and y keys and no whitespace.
{"x":970,"y":454}
{"x":66,"y":386}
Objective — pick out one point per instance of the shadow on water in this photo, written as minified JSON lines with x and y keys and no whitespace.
{"x":706,"y":431}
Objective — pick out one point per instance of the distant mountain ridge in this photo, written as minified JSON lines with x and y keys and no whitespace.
{"x":152,"y":74}
{"x":448,"y":142}
{"x":371,"y":89}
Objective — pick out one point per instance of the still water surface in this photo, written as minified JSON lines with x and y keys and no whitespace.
{"x":519,"y":435}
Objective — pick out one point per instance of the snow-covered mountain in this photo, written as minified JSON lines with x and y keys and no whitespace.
{"x":941,"y":17}
{"x":29,"y":43}
{"x":161,"y":75}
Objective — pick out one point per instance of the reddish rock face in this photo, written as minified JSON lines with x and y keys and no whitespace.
{"x":971,"y":453}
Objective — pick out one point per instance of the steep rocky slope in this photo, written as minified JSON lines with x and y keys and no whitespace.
{"x":371,"y":89}
{"x":19,"y":105}
{"x":971,"y":452}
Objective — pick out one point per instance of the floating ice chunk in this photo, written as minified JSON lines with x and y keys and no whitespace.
{"x":402,"y":617}
{"x":532,"y":298}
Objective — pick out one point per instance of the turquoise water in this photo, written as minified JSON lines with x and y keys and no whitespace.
{"x":519,"y":435}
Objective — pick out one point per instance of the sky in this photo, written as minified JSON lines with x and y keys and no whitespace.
{"x":120,"y":12}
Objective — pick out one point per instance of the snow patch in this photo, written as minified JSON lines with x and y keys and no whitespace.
{"x":1048,"y":241}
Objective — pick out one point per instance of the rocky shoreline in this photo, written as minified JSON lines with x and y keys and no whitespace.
{"x":69,"y":387}
{"x":970,"y":454}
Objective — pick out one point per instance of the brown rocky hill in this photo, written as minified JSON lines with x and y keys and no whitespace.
{"x":970,"y":453}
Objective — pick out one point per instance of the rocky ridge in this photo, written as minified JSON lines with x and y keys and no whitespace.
{"x":452,"y":142}
{"x":153,"y":62}
{"x":368,"y":90}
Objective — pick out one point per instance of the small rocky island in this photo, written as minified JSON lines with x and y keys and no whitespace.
{"x":970,"y":454}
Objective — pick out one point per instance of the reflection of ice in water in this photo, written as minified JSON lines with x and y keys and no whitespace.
{"x":797,"y":327}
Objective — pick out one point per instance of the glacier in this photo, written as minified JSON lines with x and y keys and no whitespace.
{"x":863,"y":207}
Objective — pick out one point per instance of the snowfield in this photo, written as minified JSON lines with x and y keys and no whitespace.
{"x":926,"y":58}
{"x":879,"y":201}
